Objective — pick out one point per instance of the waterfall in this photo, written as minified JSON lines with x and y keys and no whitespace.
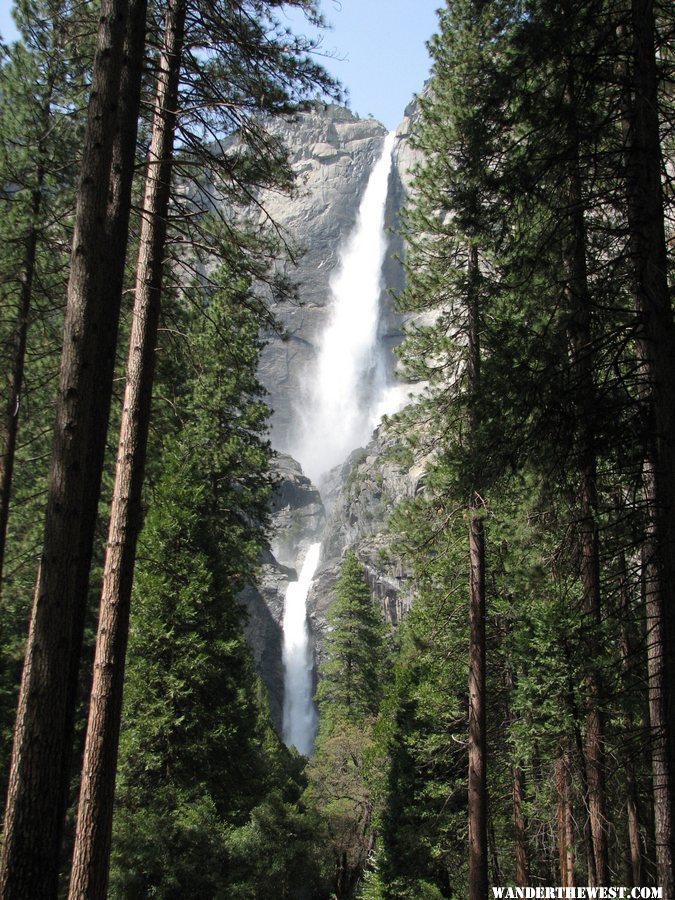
{"x":345,"y":387}
{"x":345,"y":395}
{"x":299,"y":722}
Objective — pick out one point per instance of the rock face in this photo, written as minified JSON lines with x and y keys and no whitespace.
{"x":361,"y":496}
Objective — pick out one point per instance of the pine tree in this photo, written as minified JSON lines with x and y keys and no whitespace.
{"x":43,"y":735}
{"x":42,"y":85}
{"x":92,"y":841}
{"x":202,"y":780}
{"x":349,"y":694}
{"x":521,"y":136}
{"x":655,"y":348}
{"x":350,"y":684}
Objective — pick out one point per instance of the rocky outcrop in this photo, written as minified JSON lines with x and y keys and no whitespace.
{"x":362,"y":497}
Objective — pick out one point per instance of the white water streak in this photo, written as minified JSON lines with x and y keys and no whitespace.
{"x":299,"y":724}
{"x":349,"y":376}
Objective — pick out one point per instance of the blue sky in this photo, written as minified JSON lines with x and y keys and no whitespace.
{"x":376,"y":48}
{"x":379,"y":53}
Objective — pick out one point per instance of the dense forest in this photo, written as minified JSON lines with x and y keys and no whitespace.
{"x":515,"y":728}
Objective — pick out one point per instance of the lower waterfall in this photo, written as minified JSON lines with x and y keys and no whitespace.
{"x":299,"y":722}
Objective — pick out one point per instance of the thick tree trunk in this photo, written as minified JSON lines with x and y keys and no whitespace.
{"x":94,"y":826}
{"x":478,"y":826}
{"x":655,"y":347}
{"x":39,"y":774}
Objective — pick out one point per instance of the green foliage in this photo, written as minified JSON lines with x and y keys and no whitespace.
{"x":521,"y":140}
{"x":350,"y":684}
{"x":348,"y":760}
{"x":42,"y":84}
{"x":201,"y":776}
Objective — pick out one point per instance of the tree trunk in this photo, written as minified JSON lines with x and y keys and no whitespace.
{"x":635,"y":870}
{"x":15,"y":385}
{"x":522,"y":868}
{"x":39,"y":775}
{"x":94,"y":826}
{"x":655,"y":348}
{"x":518,"y":794}
{"x":565,"y":822}
{"x":478,"y":843}
{"x":583,"y":773}
{"x":10,"y":425}
{"x":581,"y":346}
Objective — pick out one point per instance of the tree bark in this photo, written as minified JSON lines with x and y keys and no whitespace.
{"x":632,"y":796}
{"x":518,"y":795}
{"x":519,"y":826}
{"x":89,"y":873}
{"x":39,"y":774}
{"x":478,"y":826}
{"x":655,"y":348}
{"x":565,"y":822}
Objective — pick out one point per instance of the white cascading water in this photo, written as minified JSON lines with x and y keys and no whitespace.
{"x":344,"y":389}
{"x":299,"y":722}
{"x":345,"y":398}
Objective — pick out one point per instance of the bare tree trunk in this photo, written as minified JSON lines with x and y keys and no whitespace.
{"x":39,"y":775}
{"x":497,"y":877}
{"x":478,"y":826}
{"x":583,"y":773}
{"x":94,"y":826}
{"x":655,"y":347}
{"x":522,"y":868}
{"x":565,"y":822}
{"x":657,"y":676}
{"x":633,"y":824}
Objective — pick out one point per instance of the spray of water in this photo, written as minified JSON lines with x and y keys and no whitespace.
{"x":299,"y":723}
{"x":343,"y":390}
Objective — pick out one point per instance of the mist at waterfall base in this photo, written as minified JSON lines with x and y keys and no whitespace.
{"x":299,"y":722}
{"x":345,"y":395}
{"x":345,"y":389}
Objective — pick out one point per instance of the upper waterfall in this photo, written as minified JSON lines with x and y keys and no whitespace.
{"x":345,"y":387}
